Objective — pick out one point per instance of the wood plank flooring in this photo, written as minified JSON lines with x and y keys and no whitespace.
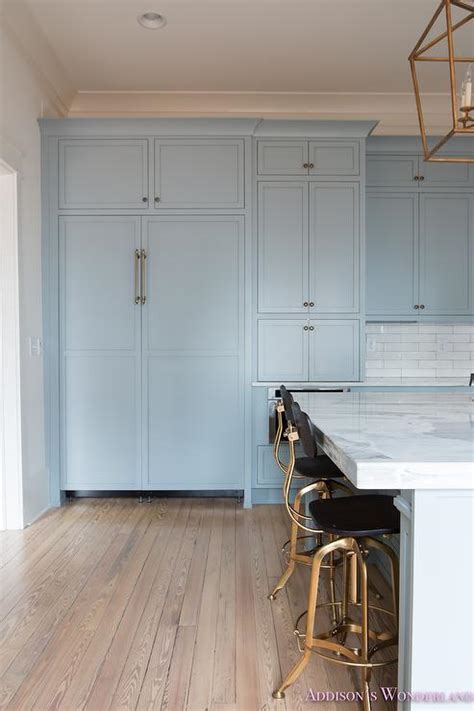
{"x":108,"y":604}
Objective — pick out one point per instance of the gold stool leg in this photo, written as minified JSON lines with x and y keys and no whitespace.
{"x":290,"y":569}
{"x":364,"y":649}
{"x":312,"y":599}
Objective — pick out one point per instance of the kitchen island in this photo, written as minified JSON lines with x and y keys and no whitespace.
{"x":421,"y":447}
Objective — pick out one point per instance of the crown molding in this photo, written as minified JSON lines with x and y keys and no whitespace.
{"x":396,"y":113}
{"x":21,"y":28}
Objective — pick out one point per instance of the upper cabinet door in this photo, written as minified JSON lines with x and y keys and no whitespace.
{"x":105,"y":174}
{"x":283,"y":247}
{"x":334,"y":247}
{"x":282,"y":157}
{"x":393,"y":171}
{"x":199,"y":174}
{"x":333,"y":350}
{"x":446,"y":237}
{"x":334,"y":158}
{"x":392,"y":253}
{"x":446,"y":175}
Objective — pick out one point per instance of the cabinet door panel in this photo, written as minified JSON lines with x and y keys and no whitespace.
{"x":99,"y":353}
{"x":103,"y":174}
{"x":392,"y":253}
{"x":282,"y":157}
{"x":282,"y":247}
{"x":283,"y":350}
{"x":334,"y":158}
{"x":334,"y":350}
{"x":192,"y":352}
{"x":194,"y":283}
{"x":445,"y":253}
{"x":392,"y":171}
{"x":456,"y":175}
{"x":195,"y":423}
{"x":199,"y":174}
{"x":334,"y":247}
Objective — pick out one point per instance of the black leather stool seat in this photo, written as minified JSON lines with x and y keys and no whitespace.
{"x":366,"y":515}
{"x":321,"y":467}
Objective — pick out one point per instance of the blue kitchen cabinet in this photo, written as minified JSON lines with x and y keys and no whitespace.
{"x":419,"y":253}
{"x":333,"y":350}
{"x":334,"y":247}
{"x":334,"y":158}
{"x":99,"y":353}
{"x":392,"y":253}
{"x":446,"y":241}
{"x":103,"y":174}
{"x":283,"y":247}
{"x":282,"y":157}
{"x":328,"y":158}
{"x":282,"y":346}
{"x":308,"y":350}
{"x":192,"y":346}
{"x":200,"y":173}
{"x":392,"y":171}
{"x":399,"y":170}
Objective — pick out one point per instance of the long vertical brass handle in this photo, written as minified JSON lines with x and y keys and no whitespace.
{"x":137,"y":276}
{"x":143,"y":280}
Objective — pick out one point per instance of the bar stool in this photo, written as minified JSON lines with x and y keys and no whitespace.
{"x":324,"y":474}
{"x":353,"y":523}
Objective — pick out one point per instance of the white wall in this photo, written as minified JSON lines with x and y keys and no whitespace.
{"x":25,"y":95}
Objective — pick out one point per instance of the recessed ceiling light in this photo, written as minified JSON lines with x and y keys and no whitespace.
{"x":151,"y":20}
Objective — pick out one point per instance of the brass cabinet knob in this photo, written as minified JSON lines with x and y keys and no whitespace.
{"x":157,"y":199}
{"x":416,"y":177}
{"x":416,"y":306}
{"x":422,"y":177}
{"x":311,"y":303}
{"x":144,"y":199}
{"x":311,"y":328}
{"x":306,"y":165}
{"x":422,"y":306}
{"x":305,"y":303}
{"x":311,"y":166}
{"x":305,"y":328}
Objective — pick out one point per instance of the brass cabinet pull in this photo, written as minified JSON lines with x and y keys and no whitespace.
{"x":311,"y":166}
{"x":306,"y":328}
{"x":311,"y":328}
{"x":157,"y":199}
{"x":137,"y":276}
{"x":416,"y":306}
{"x":422,"y":177}
{"x":305,"y":303}
{"x":143,"y":280}
{"x":416,"y":177}
{"x":311,"y":303}
{"x":422,"y":306}
{"x":144,"y":199}
{"x":306,"y":165}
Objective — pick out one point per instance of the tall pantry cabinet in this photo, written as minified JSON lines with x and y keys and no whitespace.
{"x":145,"y":230}
{"x":310,"y":228}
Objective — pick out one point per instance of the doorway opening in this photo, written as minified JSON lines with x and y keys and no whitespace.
{"x":11,"y":493}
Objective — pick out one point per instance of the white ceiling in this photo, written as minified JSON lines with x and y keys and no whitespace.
{"x":238,"y":45}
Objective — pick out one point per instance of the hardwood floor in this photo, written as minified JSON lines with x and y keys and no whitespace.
{"x":109,"y":604}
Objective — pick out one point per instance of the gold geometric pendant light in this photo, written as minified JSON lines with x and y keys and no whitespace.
{"x":462,"y":102}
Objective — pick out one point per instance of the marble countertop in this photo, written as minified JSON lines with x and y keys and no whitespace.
{"x":375,"y":383}
{"x":397,"y":440}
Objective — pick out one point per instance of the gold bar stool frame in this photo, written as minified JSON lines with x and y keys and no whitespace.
{"x":328,"y":516}
{"x":324,"y":486}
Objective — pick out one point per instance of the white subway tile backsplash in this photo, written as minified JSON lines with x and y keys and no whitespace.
{"x":418,"y":372}
{"x":441,"y":353}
